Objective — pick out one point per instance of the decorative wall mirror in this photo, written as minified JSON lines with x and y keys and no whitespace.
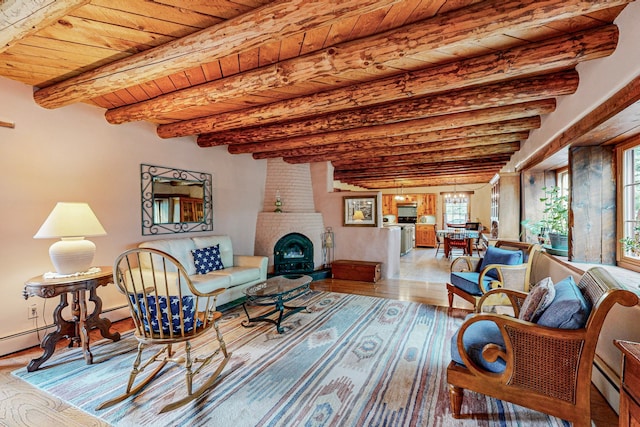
{"x":175,"y":200}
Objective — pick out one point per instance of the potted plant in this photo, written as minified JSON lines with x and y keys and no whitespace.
{"x":554,"y":224}
{"x":631,"y":244}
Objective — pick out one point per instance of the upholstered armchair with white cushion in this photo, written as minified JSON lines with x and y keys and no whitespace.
{"x":507,"y":264}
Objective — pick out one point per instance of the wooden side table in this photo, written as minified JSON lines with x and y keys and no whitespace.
{"x":630,"y":387}
{"x":78,"y":326}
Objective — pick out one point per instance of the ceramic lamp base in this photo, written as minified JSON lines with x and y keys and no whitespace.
{"x":72,"y":255}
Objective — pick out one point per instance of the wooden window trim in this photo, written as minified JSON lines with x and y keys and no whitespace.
{"x":622,"y":260}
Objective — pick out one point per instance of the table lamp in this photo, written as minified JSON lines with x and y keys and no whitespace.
{"x":71,"y":222}
{"x":358,"y":216}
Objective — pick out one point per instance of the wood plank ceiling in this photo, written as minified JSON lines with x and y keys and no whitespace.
{"x":392,"y":92}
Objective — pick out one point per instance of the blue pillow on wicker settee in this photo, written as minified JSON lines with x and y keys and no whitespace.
{"x":569,"y":309}
{"x":496,"y":255}
{"x":187,"y":308}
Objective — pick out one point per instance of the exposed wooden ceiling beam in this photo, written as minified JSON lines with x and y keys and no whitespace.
{"x":430,"y":124}
{"x":375,"y":54}
{"x":275,"y":21}
{"x":475,"y":98}
{"x":411,"y":148}
{"x":536,"y":58}
{"x":19,"y":19}
{"x":417,"y":172}
{"x":424,"y":181}
{"x":428,"y":158}
{"x":494,"y":128}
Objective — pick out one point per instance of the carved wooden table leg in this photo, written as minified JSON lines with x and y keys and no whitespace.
{"x":64,"y":329}
{"x":80,"y":324}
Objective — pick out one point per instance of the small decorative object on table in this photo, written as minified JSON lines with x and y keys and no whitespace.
{"x":327,"y":247}
{"x":278,"y":202}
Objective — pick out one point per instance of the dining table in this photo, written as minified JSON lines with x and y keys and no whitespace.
{"x":457,"y":234}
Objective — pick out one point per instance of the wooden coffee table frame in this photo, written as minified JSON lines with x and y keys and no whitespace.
{"x":291,"y":287}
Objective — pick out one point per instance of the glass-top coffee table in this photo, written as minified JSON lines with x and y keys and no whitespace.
{"x":276,"y":291}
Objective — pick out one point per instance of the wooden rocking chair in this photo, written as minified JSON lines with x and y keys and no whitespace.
{"x":167,"y":309}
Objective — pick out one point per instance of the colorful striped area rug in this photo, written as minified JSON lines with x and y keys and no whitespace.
{"x":349,"y":361}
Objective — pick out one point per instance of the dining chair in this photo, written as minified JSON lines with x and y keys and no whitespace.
{"x":438,"y":244}
{"x":458,"y":242}
{"x":475,"y":226}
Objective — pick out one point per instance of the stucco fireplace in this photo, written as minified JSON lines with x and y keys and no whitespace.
{"x":292,"y":183}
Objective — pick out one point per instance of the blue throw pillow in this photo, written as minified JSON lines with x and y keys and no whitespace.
{"x":166,"y":325}
{"x":569,"y":309}
{"x":475,"y":338}
{"x":496,"y":255}
{"x":207,"y":259}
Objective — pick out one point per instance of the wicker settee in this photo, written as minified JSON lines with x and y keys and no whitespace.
{"x":540,"y":367}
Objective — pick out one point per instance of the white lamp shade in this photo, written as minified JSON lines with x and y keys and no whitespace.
{"x":71,"y":222}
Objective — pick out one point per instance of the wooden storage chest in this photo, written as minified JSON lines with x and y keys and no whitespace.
{"x":364,"y":271}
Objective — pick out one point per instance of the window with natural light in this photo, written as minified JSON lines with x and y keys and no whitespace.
{"x":456,"y":208}
{"x":630,"y":206}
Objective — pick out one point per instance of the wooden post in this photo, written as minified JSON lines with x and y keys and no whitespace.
{"x":592,"y":216}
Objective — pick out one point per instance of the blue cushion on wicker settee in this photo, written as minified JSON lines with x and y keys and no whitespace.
{"x":475,"y":338}
{"x":468,"y":281}
{"x":569,"y":309}
{"x":496,"y":255}
{"x":187,"y":308}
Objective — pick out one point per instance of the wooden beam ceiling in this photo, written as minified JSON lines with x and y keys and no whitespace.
{"x":392,"y":92}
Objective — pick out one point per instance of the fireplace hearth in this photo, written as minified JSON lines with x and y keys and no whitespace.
{"x":293,"y":253}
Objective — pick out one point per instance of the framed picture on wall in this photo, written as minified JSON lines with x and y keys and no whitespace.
{"x":360,"y":211}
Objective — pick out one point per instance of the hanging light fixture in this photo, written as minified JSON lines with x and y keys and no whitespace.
{"x":400,"y":197}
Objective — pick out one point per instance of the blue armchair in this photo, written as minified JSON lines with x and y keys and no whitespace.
{"x":507,"y":264}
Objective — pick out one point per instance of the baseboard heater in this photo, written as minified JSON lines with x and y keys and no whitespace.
{"x":607,"y":382}
{"x":31,"y":337}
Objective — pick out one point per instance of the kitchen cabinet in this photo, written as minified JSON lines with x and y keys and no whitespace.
{"x":426,"y":204}
{"x":389,"y":205}
{"x":426,"y":235}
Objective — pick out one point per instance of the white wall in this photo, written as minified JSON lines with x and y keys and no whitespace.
{"x":379,"y":244}
{"x":73,"y":154}
{"x":599,"y":80}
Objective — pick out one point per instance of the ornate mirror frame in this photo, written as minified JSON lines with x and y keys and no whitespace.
{"x":149,"y":174}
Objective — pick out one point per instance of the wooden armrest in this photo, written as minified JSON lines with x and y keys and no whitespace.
{"x":516,"y":298}
{"x":537,"y":345}
{"x":465,"y":263}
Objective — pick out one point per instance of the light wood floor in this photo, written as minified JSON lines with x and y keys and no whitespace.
{"x":24,"y":405}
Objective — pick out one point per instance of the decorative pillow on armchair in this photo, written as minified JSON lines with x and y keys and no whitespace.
{"x":540,"y":297}
{"x":207,"y":259}
{"x":500,"y":256}
{"x":569,"y":309}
